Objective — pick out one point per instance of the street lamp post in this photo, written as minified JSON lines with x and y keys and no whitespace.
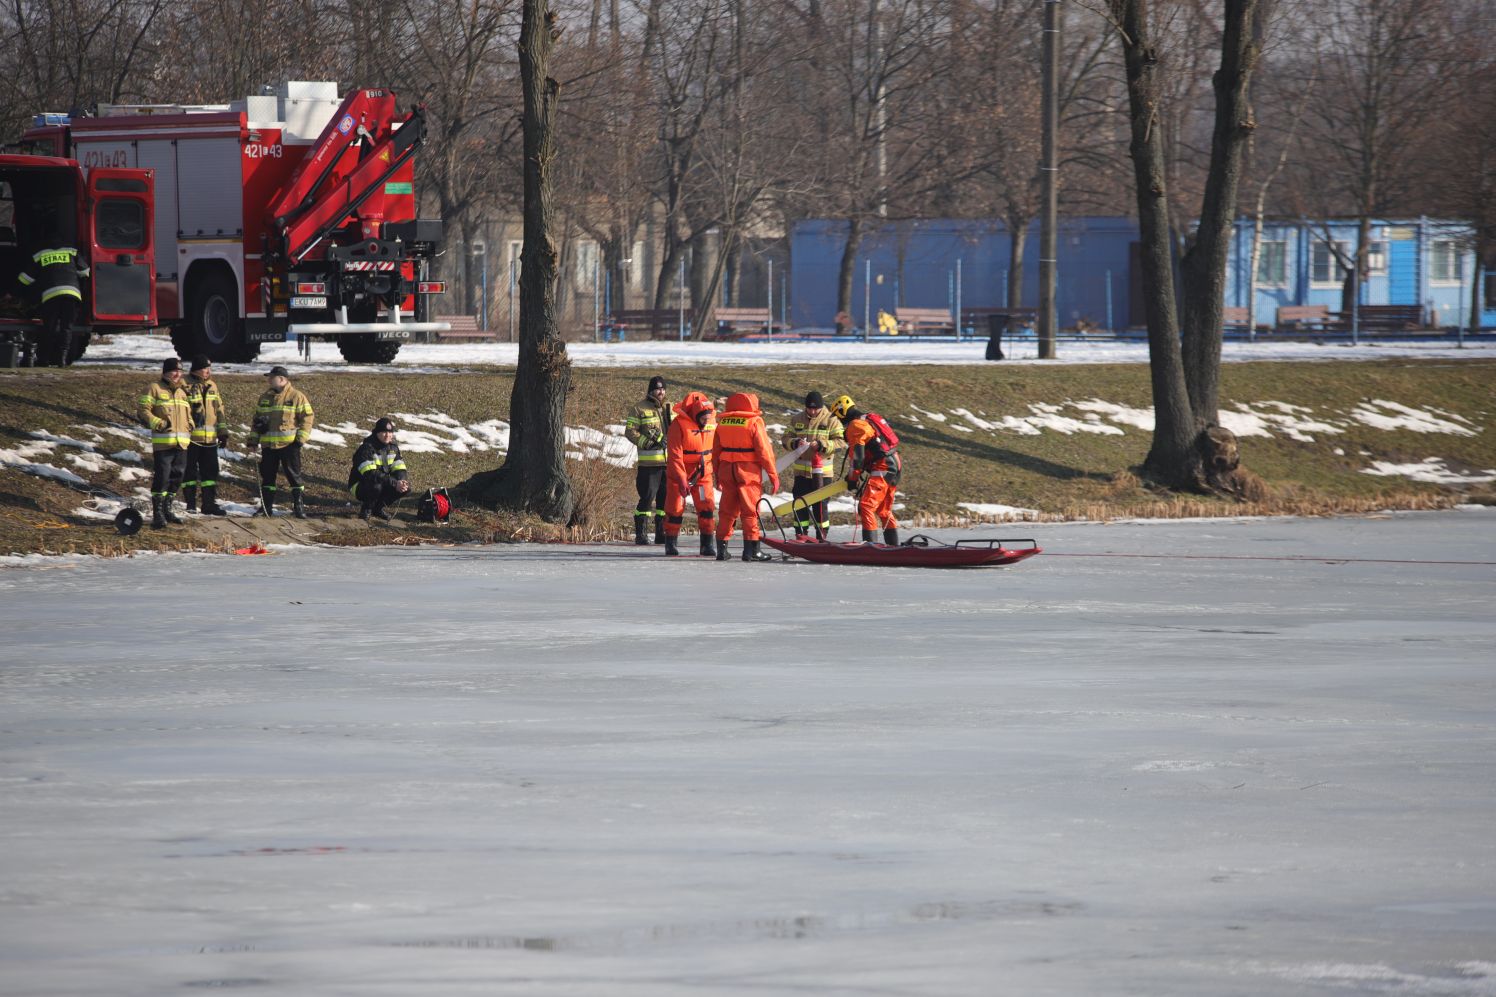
{"x":479,"y":249}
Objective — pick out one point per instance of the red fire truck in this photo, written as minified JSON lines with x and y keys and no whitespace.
{"x":290,"y":213}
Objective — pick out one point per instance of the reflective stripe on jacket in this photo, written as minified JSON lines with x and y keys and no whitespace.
{"x":289,"y":417}
{"x":645,"y":428}
{"x":52,"y":273}
{"x":376,"y":461}
{"x":206,"y":409}
{"x":826,"y":437}
{"x":165,"y":410}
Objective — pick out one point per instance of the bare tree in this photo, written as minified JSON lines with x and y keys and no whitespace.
{"x":1460,"y":164}
{"x":533,"y":477}
{"x":1372,"y":115}
{"x":1190,"y":450}
{"x":65,"y":54}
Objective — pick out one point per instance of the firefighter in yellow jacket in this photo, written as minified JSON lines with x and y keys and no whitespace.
{"x":209,"y":432}
{"x":645,"y":428}
{"x":282,"y":423}
{"x":164,"y":409}
{"x":815,"y":466}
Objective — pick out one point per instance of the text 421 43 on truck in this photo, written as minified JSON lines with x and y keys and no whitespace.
{"x":290,"y":213}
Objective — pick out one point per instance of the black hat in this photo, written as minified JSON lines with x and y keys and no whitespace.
{"x":813,"y":400}
{"x":170,"y":364}
{"x":201,"y":362}
{"x":656,"y":382}
{"x":384,"y":424}
{"x":277,"y":370}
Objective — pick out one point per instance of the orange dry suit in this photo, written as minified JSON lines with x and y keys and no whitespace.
{"x":688,"y":466}
{"x":875,"y":471}
{"x":741,"y":455}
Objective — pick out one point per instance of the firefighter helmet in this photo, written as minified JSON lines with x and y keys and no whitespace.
{"x":841,"y":405}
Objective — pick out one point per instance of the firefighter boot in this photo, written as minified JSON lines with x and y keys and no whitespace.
{"x":189,"y":495}
{"x":298,"y":507}
{"x":891,"y":536}
{"x":267,"y":503}
{"x":708,"y":549}
{"x":158,"y":521}
{"x":671,"y":550}
{"x":210,"y":502}
{"x":167,"y":501}
{"x":364,"y":510}
{"x":659,"y":529}
{"x":869,"y":537}
{"x":639,"y":538}
{"x":752,"y":553}
{"x":722,"y":553}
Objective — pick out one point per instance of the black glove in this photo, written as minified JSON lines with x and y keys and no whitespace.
{"x":223,"y":437}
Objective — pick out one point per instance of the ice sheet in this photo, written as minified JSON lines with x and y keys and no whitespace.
{"x":1217,"y":758}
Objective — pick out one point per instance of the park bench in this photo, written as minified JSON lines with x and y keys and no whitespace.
{"x":1385,"y":318}
{"x":919,"y":321}
{"x":1234,"y":319}
{"x":733,"y":323}
{"x":643,"y":323}
{"x":464,"y":330}
{"x":1298,"y":318}
{"x":979,"y":320}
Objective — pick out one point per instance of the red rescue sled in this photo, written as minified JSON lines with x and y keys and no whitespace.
{"x":918,"y":551}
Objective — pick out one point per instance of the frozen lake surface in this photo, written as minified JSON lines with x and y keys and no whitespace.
{"x":1209,"y":758}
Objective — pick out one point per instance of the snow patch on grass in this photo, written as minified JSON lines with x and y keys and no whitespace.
{"x":934,"y":416}
{"x":1381,"y":414}
{"x":1001,"y":513}
{"x":1432,"y":470}
{"x":1138,"y":418}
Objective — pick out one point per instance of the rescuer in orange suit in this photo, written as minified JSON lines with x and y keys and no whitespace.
{"x":741,"y":455}
{"x":688,"y":469}
{"x":873,"y":468}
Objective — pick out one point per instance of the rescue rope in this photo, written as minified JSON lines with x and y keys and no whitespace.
{"x":1271,"y":557}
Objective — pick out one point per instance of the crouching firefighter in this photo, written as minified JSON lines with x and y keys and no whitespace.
{"x":741,"y":456}
{"x":873,"y":468}
{"x":688,"y":469}
{"x":209,"y":433}
{"x":379,"y":477}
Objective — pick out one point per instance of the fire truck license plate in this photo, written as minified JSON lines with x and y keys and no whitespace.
{"x":308,"y":302}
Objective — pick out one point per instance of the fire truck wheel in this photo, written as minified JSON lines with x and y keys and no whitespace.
{"x":366,"y":349}
{"x":214,"y":325}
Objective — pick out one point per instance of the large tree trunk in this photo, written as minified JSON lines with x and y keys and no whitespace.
{"x":1172,"y":455}
{"x":1189,"y":450}
{"x":1017,"y":244}
{"x":533,"y":477}
{"x":845,"y":275}
{"x":1204,"y":266}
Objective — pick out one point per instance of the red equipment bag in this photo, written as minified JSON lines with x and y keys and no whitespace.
{"x":886,"y":441}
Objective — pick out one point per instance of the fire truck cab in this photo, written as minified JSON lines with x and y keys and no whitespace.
{"x":288,"y":213}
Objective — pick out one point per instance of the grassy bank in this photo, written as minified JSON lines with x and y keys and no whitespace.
{"x":1061,"y":441}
